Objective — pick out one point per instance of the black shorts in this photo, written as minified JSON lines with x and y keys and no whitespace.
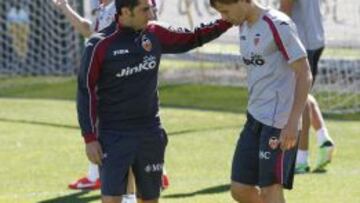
{"x":143,"y":150}
{"x":314,"y":57}
{"x":258,"y":159}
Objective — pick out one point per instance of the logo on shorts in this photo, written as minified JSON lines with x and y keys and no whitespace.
{"x":146,"y":43}
{"x":264,"y":155}
{"x":274,"y":142}
{"x":150,"y":168}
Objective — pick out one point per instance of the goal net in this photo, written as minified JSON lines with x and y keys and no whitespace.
{"x":35,"y":39}
{"x":337,"y":86}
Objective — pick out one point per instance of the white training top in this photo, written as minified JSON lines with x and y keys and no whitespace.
{"x":105,"y":16}
{"x":94,"y":4}
{"x":307,"y":16}
{"x":267,"y":48}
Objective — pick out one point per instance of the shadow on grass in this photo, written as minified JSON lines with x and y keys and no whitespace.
{"x":80,"y":197}
{"x":198,"y":97}
{"x":200,"y":108}
{"x":180,"y":132}
{"x":328,"y":116}
{"x":206,"y":191}
{"x":75,"y":197}
{"x":38,"y":123}
{"x":343,"y":117}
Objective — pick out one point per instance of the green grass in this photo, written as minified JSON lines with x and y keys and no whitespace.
{"x":38,"y":87}
{"x":186,"y":96}
{"x":42,"y":151}
{"x":206,"y":97}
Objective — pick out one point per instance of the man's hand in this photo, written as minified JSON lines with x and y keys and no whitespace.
{"x":61,"y":3}
{"x":94,"y":152}
{"x":288,"y":136}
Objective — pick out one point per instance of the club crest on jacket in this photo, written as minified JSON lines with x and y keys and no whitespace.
{"x":146,"y":43}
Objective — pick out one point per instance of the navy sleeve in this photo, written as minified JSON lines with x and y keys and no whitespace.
{"x":178,"y":40}
{"x":86,"y":96}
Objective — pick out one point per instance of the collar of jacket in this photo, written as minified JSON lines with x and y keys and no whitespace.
{"x":126,"y":29}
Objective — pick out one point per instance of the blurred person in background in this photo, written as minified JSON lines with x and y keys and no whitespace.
{"x":18,"y":25}
{"x":308,"y":18}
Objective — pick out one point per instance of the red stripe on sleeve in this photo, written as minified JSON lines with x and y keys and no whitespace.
{"x":93,"y":74}
{"x":92,"y":77}
{"x":277,"y":37}
{"x":183,"y":39}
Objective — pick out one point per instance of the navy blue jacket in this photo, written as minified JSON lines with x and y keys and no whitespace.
{"x":118,"y":77}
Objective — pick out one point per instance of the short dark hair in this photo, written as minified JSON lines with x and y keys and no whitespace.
{"x":212,"y":2}
{"x":119,"y":4}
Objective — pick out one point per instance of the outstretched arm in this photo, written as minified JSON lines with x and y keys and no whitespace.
{"x":80,"y":24}
{"x":178,"y":40}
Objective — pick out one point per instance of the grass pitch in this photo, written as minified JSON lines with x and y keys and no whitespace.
{"x":41,"y":150}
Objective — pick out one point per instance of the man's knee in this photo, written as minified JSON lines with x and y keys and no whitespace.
{"x":241,"y":192}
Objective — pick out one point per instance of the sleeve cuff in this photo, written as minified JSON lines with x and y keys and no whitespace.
{"x":91,"y":137}
{"x":225,"y":24}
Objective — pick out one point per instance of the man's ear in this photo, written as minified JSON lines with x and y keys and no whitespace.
{"x":125,"y":11}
